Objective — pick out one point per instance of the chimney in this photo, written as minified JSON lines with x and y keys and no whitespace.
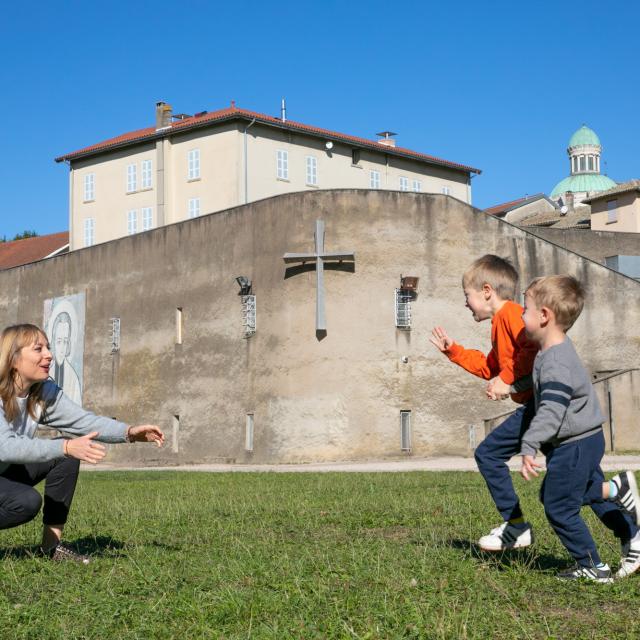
{"x":386,"y":139}
{"x":163,"y":115}
{"x":569,"y":200}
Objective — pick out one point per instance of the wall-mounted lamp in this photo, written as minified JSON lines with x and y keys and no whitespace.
{"x":328,"y":145}
{"x":245,"y":285}
{"x":409,"y":283}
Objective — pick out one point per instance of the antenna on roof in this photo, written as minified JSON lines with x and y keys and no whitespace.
{"x":283,"y":111}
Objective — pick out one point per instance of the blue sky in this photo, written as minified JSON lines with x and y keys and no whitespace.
{"x":497,"y":85}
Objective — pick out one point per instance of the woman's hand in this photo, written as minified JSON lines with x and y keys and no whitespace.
{"x":146,"y":433}
{"x":85,"y":448}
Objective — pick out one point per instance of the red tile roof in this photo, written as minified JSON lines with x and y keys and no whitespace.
{"x":507,"y":206}
{"x":233,"y":113}
{"x":19,"y":252}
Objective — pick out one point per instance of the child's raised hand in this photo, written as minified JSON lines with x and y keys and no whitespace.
{"x":440,"y":339}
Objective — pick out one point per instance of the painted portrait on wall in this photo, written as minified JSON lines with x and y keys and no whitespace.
{"x":64,"y":324}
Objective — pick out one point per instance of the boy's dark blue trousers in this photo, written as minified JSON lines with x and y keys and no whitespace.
{"x":495,"y":451}
{"x":573,"y":479}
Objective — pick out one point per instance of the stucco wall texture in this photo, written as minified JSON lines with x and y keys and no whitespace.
{"x":335,"y":398}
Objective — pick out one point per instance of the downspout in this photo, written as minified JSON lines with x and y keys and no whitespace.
{"x":246,"y":163}
{"x":71,"y":238}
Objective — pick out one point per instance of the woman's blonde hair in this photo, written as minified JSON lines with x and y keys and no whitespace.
{"x":12,"y":341}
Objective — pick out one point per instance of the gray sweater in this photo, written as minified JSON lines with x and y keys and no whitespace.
{"x":567,"y":408}
{"x":18,"y":443}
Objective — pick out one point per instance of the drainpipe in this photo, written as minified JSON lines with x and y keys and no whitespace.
{"x":246,"y":163}
{"x":71,"y":194}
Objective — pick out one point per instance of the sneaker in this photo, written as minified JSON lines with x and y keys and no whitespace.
{"x":627,"y":497}
{"x":60,"y":553}
{"x":578,"y":572}
{"x":506,"y":536}
{"x":630,"y":561}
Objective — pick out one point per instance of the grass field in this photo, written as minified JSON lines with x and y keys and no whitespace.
{"x":196,"y":555}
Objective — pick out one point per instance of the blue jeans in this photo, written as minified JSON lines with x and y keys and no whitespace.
{"x":492,"y":456}
{"x":573,"y":479}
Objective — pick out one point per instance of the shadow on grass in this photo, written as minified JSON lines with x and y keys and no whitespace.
{"x":95,"y":546}
{"x":510,"y":558}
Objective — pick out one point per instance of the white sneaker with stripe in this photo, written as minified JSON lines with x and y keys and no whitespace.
{"x":506,"y":536}
{"x":630,"y":562}
{"x":627,"y":498}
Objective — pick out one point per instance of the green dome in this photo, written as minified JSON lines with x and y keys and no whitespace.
{"x":588,"y":182}
{"x":584,"y":135}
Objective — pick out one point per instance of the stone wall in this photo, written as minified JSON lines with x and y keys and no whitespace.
{"x":334,"y":398}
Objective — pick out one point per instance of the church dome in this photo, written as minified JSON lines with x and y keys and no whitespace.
{"x":583,"y":183}
{"x":584,"y":136}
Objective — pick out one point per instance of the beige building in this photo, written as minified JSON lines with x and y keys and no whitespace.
{"x":617,"y":209}
{"x":186,"y":166}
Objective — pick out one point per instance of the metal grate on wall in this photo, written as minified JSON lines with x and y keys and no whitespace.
{"x":403,"y":309}
{"x":114,"y":334}
{"x":249,"y":315}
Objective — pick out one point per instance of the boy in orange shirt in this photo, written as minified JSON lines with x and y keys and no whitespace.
{"x":489,"y":286}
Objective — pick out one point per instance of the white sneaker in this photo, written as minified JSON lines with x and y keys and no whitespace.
{"x":506,"y":536}
{"x":630,"y":561}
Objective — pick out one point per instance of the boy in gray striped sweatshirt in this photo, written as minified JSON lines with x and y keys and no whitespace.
{"x":567,"y":428}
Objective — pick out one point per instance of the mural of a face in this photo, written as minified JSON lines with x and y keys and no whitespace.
{"x":62,"y":337}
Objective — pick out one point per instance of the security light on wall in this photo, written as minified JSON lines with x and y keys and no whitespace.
{"x":245,"y":285}
{"x":328,"y":145}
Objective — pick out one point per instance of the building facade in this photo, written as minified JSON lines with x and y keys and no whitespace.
{"x":187,"y":166}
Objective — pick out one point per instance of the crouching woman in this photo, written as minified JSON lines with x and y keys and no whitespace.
{"x":29,"y":398}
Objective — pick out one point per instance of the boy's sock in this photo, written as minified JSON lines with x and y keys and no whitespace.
{"x":613,"y":490}
{"x":518,"y":523}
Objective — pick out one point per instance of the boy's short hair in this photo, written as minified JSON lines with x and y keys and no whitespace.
{"x":564,"y":295}
{"x":495,"y":271}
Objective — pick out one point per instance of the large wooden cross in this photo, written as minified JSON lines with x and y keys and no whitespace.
{"x":319,"y":258}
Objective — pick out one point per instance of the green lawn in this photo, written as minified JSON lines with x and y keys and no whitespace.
{"x":388,"y":555}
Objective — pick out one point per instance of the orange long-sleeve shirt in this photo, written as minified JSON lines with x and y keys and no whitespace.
{"x":511,"y":356}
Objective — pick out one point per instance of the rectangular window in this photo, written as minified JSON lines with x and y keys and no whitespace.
{"x":404,"y":183}
{"x":590,"y":163}
{"x":132,"y":178}
{"x":248,"y":434}
{"x":374,"y":179}
{"x":146,"y":174}
{"x":193,"y":164}
{"x":89,"y":231}
{"x":178,"y":325}
{"x":405,"y":430}
{"x":355,"y":156}
{"x":582,"y":167}
{"x":612,"y":211}
{"x":147,"y":218}
{"x":194,"y":207}
{"x":417,"y":186}
{"x":90,"y":187}
{"x":446,"y":191}
{"x":132,"y":222}
{"x":282,"y":158}
{"x":312,"y":170}
{"x":175,"y":433}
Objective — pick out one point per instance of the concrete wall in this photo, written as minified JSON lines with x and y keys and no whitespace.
{"x":595,"y":245}
{"x":334,"y":398}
